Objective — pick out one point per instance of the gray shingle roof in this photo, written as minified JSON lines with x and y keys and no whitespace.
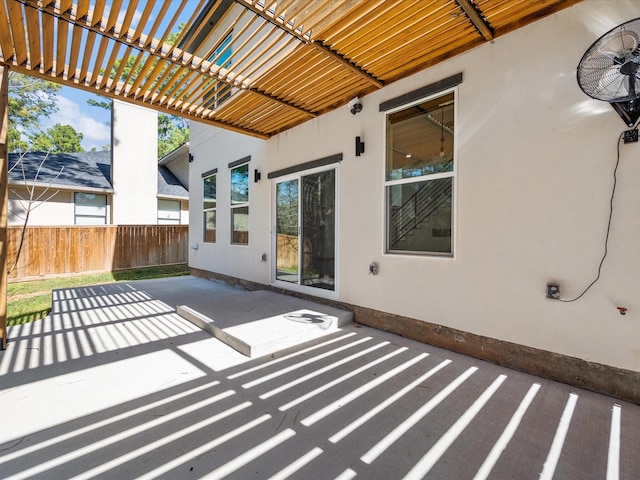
{"x":79,"y":170}
{"x":169,"y":185}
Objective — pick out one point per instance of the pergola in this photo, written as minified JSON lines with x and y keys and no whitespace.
{"x":258,"y":67}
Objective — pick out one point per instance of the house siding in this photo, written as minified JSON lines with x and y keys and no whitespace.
{"x":534,"y":159}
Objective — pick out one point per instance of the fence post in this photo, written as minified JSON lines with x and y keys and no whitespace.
{"x":4,"y":200}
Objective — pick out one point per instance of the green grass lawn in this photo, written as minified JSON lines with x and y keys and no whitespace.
{"x":29,"y":301}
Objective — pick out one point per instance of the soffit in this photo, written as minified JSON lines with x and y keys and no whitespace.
{"x":256,"y":67}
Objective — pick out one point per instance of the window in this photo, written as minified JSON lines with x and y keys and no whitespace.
{"x":221,"y":56}
{"x":209,"y":208}
{"x":90,"y":209}
{"x":168,"y":212}
{"x":240,"y":204}
{"x":420,"y":177}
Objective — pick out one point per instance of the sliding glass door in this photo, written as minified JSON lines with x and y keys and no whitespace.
{"x":305,"y":230}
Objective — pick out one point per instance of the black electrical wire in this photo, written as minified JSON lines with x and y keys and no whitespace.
{"x":606,"y":239}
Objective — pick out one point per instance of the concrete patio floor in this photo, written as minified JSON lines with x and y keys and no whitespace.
{"x":119,"y":386}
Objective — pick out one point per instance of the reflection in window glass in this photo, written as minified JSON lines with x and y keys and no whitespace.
{"x":240,"y":222}
{"x":287,"y":231}
{"x":420,"y":139}
{"x":240,"y":204}
{"x":90,"y":209}
{"x":318,"y":230}
{"x":216,"y":91}
{"x":209,"y":226}
{"x":420,"y":177}
{"x":420,"y":216}
{"x":240,"y":184}
{"x":209,"y":209}
{"x":168,"y":212}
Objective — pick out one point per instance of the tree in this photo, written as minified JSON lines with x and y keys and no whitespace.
{"x":172,"y":132}
{"x":30,"y":100}
{"x":106,"y":104}
{"x":57,"y":139}
{"x":31,"y":201}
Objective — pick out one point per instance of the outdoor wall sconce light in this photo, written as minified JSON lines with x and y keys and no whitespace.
{"x":256,"y":175}
{"x":359,"y":147}
{"x":190,"y":158}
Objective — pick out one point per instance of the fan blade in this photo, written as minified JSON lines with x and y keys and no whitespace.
{"x":608,"y":70}
{"x":619,"y":45}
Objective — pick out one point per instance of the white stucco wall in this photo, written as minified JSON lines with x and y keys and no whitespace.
{"x":184,"y":212}
{"x":58,"y":210}
{"x":213,"y":148}
{"x":535,"y":159}
{"x":180,"y":168}
{"x":134,"y":172}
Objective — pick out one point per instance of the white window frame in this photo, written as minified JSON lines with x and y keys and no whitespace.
{"x":164,"y":214}
{"x":234,"y":206}
{"x":296,"y":287}
{"x":451,"y":174}
{"x":221,"y":91}
{"x":210,"y":209}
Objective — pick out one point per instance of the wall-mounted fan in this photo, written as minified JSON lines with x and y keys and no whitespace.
{"x":608,"y":70}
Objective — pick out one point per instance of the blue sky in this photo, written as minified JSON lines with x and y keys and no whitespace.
{"x":92,"y":122}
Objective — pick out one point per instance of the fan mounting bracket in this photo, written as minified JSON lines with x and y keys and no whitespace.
{"x":628,"y":111}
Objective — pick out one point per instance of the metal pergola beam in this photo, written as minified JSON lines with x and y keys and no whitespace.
{"x":474,"y":16}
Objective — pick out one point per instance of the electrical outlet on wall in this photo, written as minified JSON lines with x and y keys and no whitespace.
{"x":631,"y":136}
{"x":553,"y":291}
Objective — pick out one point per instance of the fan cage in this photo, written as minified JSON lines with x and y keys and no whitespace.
{"x":608,"y":70}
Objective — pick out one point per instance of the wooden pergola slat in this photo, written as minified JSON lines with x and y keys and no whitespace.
{"x":6,"y":43}
{"x":144,"y":18}
{"x":61,"y":52}
{"x":102,"y":49}
{"x":319,"y":46}
{"x":115,"y":51}
{"x":287,"y":61}
{"x":76,"y":39}
{"x":128,"y":18}
{"x":33,"y":31}
{"x":16,"y":19}
{"x":113,"y":17}
{"x":121,"y":67}
{"x":47,"y":43}
{"x":65,"y":6}
{"x":88,"y":50}
{"x":98,"y":10}
{"x":142,"y":74}
{"x":81,"y":10}
{"x":189,"y":41}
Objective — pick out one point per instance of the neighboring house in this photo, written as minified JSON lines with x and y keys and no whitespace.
{"x":173,"y":186}
{"x":82,"y":194}
{"x":484,"y":177}
{"x":128,"y":186}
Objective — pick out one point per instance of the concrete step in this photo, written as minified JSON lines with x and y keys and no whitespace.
{"x":260,"y":323}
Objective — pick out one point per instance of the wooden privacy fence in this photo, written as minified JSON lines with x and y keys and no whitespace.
{"x":49,"y":251}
